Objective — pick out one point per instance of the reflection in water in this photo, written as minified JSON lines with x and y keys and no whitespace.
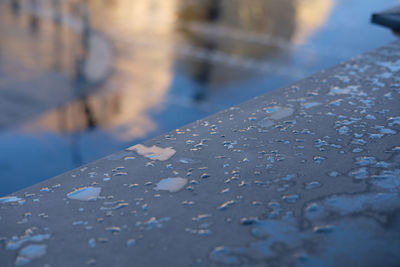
{"x":310,"y":17}
{"x":270,"y":18}
{"x":87,"y":72}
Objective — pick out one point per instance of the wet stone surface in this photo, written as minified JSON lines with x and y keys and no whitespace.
{"x":308,"y":175}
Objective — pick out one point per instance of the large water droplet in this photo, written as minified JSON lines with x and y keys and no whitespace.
{"x":154,"y":152}
{"x":9,"y":199}
{"x":171,"y":184}
{"x":85,"y":193}
{"x":29,"y":253}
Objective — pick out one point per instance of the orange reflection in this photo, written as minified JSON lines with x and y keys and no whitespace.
{"x":139,"y":89}
{"x":310,"y":16}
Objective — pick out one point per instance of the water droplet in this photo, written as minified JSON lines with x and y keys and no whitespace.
{"x":278,"y":113}
{"x":334,"y":174}
{"x":29,"y":253}
{"x":311,"y":104}
{"x":154,"y":223}
{"x":312,"y":185}
{"x":289,"y":177}
{"x":224,"y":255}
{"x":382,"y":164}
{"x":113,"y":229}
{"x":91,"y":262}
{"x":120,"y":174}
{"x":249,"y":220}
{"x":313,"y":210}
{"x":85,"y":193}
{"x":323,"y":229}
{"x":370,"y":117}
{"x":154,"y":152}
{"x":343,"y":91}
{"x":226,"y":205}
{"x":336,"y":102}
{"x":16,"y":243}
{"x":205,"y":175}
{"x":343,"y":130}
{"x":290,"y":198}
{"x":9,"y":199}
{"x":130,"y":242}
{"x":225,"y":190}
{"x":396,"y":149}
{"x":365,"y":161}
{"x":358,"y":142}
{"x":387,"y":179}
{"x":186,"y":160}
{"x":318,"y":159}
{"x":393,"y":121}
{"x":265,"y":123}
{"x":360,"y":173}
{"x":171,"y":184}
{"x":92,"y":243}
{"x":45,"y":189}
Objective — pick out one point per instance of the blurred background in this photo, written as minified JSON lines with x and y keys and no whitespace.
{"x":80,"y":79}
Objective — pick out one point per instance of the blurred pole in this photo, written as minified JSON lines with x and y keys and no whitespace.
{"x":57,"y":34}
{"x":15,"y":6}
{"x":33,"y":17}
{"x":203,"y":74}
{"x":80,"y":81}
{"x":57,"y":12}
{"x":80,"y":78}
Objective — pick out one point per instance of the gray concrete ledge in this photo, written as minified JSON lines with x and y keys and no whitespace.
{"x":308,"y":175}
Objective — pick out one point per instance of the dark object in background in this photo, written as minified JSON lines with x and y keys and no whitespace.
{"x":389,"y":18}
